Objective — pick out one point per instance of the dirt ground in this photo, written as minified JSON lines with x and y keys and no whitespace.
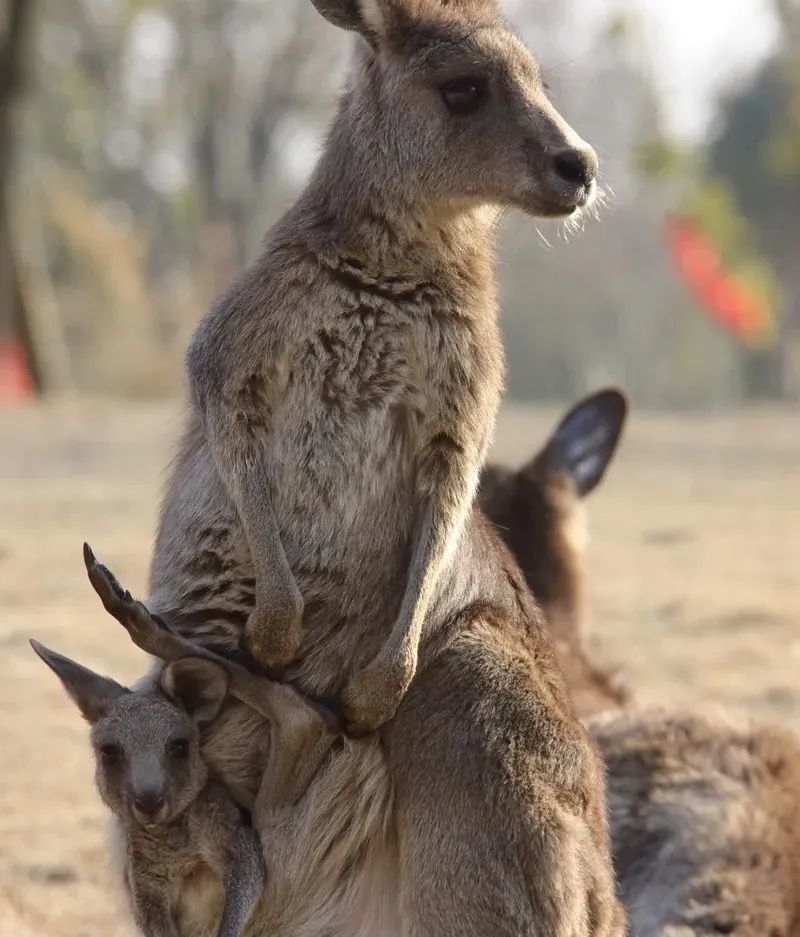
{"x":693,"y":566}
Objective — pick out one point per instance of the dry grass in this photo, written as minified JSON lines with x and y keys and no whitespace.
{"x":693,"y":570}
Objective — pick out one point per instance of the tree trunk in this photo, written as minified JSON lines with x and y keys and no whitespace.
{"x":14,"y":324}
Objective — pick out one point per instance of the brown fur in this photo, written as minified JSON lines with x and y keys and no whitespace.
{"x":344,"y":390}
{"x":705,"y":816}
{"x":175,"y":827}
{"x":322,"y":804}
{"x":343,"y":396}
{"x":538,"y":511}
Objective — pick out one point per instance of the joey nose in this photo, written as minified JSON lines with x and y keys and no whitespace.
{"x":148,"y":803}
{"x":576,"y":166}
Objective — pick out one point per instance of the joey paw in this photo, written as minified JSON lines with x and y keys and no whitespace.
{"x":371,"y":696}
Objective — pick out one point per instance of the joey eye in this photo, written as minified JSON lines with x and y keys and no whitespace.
{"x":110,"y":753}
{"x":179,"y":748}
{"x":464,"y":95}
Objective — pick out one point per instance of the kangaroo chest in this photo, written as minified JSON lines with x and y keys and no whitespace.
{"x":365,"y":389}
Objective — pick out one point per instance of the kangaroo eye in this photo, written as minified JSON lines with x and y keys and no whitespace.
{"x":179,"y":748}
{"x":464,"y":95}
{"x":110,"y":753}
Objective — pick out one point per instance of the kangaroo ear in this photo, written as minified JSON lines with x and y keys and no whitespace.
{"x":585,"y":440}
{"x":199,"y":685}
{"x":92,"y":693}
{"x":368,"y":17}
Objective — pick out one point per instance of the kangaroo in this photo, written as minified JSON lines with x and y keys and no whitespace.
{"x":321,"y":803}
{"x":706,"y":824}
{"x":166,"y":778}
{"x":319,"y":515}
{"x":334,"y":857}
{"x":705,"y":816}
{"x":538,"y":511}
{"x":180,"y":832}
{"x":344,"y":390}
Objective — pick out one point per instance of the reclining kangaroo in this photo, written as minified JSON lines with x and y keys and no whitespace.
{"x":343,"y":395}
{"x":705,"y":820}
{"x":705,"y":815}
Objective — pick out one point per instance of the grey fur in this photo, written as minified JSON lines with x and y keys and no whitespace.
{"x":334,"y":857}
{"x":191,"y":866}
{"x":177,"y":826}
{"x":705,"y":822}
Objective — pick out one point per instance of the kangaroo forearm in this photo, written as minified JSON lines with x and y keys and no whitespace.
{"x":371,"y":697}
{"x":243,"y":882}
{"x":435,"y":536}
{"x":156,"y":925}
{"x":241,"y":460}
{"x":151,"y":910}
{"x":253,"y":497}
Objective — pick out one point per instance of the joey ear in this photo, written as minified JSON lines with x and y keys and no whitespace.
{"x":199,"y":685}
{"x":586,"y":439}
{"x":368,"y":17}
{"x":92,"y":693}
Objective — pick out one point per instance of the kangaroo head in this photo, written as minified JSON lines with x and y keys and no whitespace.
{"x":148,"y":766}
{"x":448,"y":108}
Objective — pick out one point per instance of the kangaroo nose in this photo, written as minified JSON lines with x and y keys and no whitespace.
{"x":148,"y":803}
{"x":578,"y":167}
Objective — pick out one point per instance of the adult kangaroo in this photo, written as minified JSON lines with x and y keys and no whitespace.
{"x":319,"y":518}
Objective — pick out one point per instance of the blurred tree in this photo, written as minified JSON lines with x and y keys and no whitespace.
{"x":16,"y":26}
{"x":161,"y":140}
{"x":757,"y":152}
{"x":605,"y":304}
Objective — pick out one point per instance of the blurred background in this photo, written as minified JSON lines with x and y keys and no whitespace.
{"x":145,"y":148}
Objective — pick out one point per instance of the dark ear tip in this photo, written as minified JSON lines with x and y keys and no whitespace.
{"x":614,"y":398}
{"x":343,"y":13}
{"x":51,"y":658}
{"x":88,"y":555}
{"x":610,"y":406}
{"x":39,"y":648}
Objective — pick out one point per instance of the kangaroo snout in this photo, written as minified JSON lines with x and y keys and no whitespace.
{"x":567,"y":174}
{"x":562,"y":166}
{"x":149,"y":805}
{"x":576,"y":167}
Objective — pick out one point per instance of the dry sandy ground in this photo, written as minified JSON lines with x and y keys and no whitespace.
{"x":694,"y":559}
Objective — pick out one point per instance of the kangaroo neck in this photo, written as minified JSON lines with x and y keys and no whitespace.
{"x":357,"y":209}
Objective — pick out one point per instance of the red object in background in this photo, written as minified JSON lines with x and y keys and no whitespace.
{"x":730,"y":303}
{"x":16,"y":380}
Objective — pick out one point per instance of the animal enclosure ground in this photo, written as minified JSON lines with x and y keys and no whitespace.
{"x":694,"y":582}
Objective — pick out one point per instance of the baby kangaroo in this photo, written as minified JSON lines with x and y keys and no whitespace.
{"x":539,"y":512}
{"x":181,"y":831}
{"x":184,"y":836}
{"x":326,"y":823}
